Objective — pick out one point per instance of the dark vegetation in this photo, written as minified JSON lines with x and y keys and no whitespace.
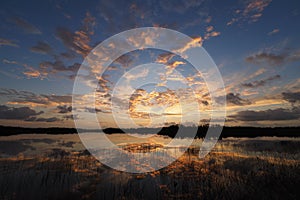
{"x":220,"y":175}
{"x":170,"y":131}
{"x":8,"y":130}
{"x":226,"y":132}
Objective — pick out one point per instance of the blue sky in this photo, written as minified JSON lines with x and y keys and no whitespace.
{"x":254,"y":43}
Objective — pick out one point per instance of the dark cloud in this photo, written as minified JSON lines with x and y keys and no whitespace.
{"x":70,"y":117}
{"x":207,"y":121}
{"x":64,"y":109}
{"x":274,"y":59}
{"x":41,"y":47}
{"x":58,"y":66}
{"x":66,"y":36}
{"x":124,"y":60}
{"x":261,"y":83}
{"x":58,"y":98}
{"x":25,"y":97}
{"x":78,"y":41}
{"x":41,"y":119}
{"x":235,"y":99}
{"x":8,"y":92}
{"x":21,"y":113}
{"x":96,"y":110}
{"x":26,"y":26}
{"x":292,"y":97}
{"x":47,"y":68}
{"x":51,"y":119}
{"x":67,"y":55}
{"x":268,"y":115}
{"x":269,"y":58}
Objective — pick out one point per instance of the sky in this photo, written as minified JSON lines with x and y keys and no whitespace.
{"x":254,"y":43}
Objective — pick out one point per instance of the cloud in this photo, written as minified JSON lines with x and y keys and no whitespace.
{"x":112,"y":68}
{"x":293,"y":56}
{"x":274,"y":59}
{"x":6,"y":42}
{"x":257,"y":73}
{"x":135,"y":75}
{"x":176,"y":64}
{"x":267,"y":115}
{"x":89,"y":23}
{"x":8,"y":92}
{"x":64,"y":109}
{"x":211,"y":33}
{"x":124,"y":60}
{"x":274,"y":31}
{"x":103,"y":86}
{"x":171,"y":66}
{"x":79,"y":40}
{"x":33,"y":73}
{"x":42,"y":47}
{"x":142,"y":101}
{"x":196,"y":42}
{"x":164,"y":57}
{"x":21,"y":113}
{"x":235,"y":99}
{"x":250,"y":12}
{"x":209,"y":28}
{"x":58,"y":66}
{"x":124,"y":19}
{"x":67,"y":55}
{"x":260,"y":83}
{"x":271,"y":59}
{"x":29,"y":71}
{"x":292,"y":97}
{"x":26,"y":113}
{"x":42,"y":119}
{"x":26,"y":26}
{"x":68,"y":39}
{"x":48,"y":68}
{"x":13,"y":62}
{"x":32,"y":99}
{"x":180,"y":6}
{"x":143,"y":39}
{"x":70,"y":117}
{"x":96,"y":110}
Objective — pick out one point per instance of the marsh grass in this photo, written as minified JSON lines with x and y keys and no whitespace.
{"x":234,"y":170}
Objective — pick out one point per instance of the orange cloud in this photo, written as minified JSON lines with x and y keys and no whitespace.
{"x":32,"y":74}
{"x":164,"y":57}
{"x":250,"y":12}
{"x":196,"y":42}
{"x":80,"y":39}
{"x":276,"y":30}
{"x":209,"y":28}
